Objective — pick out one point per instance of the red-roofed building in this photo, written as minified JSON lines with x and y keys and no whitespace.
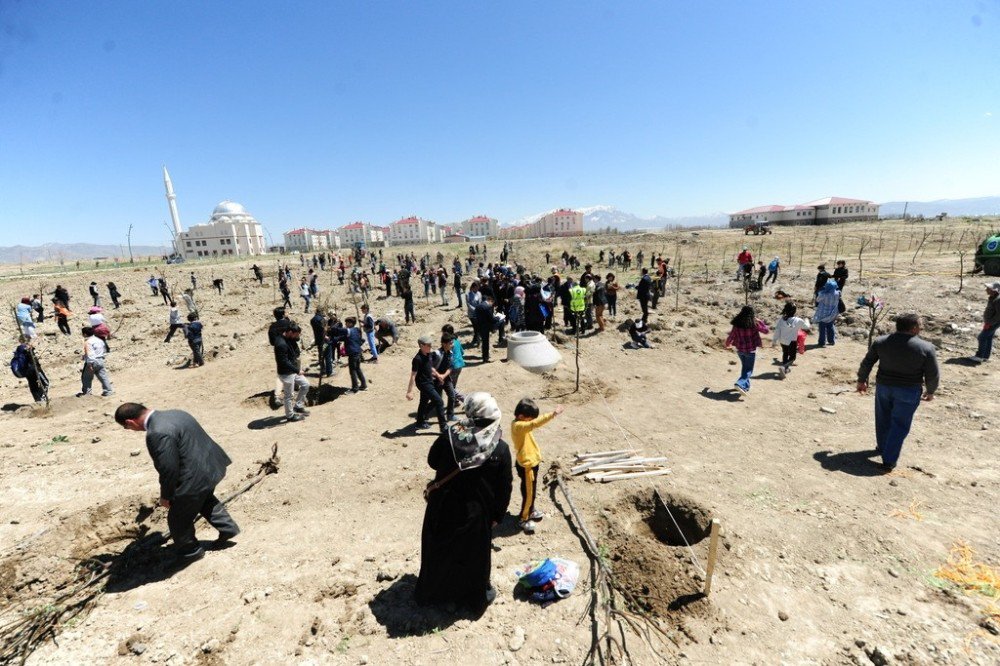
{"x":828,"y":210}
{"x":361,"y":232}
{"x":480,"y":226}
{"x":306,"y":240}
{"x":412,"y":230}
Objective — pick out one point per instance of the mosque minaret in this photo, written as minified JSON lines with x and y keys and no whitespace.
{"x":172,"y":200}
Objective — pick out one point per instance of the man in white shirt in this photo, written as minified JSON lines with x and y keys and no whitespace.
{"x":94,"y":351}
{"x":24,"y":320}
{"x":175,"y":320}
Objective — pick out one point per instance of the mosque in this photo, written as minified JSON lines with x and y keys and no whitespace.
{"x":231,"y":230}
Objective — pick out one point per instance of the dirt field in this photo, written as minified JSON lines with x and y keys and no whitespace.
{"x":823,"y":559}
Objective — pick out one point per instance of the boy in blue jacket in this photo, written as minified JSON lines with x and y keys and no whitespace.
{"x":353,"y":341}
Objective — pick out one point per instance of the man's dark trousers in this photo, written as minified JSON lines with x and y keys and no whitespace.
{"x":429,"y":396}
{"x":484,"y":338}
{"x":894,"y":410}
{"x":185,"y":510}
{"x":358,"y":381}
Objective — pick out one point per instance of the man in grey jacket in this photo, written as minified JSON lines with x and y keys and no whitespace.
{"x":907,"y":367}
{"x":190,"y":465}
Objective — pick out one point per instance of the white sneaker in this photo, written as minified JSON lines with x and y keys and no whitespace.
{"x":536,"y":515}
{"x":528,"y":527}
{"x":976,"y":359}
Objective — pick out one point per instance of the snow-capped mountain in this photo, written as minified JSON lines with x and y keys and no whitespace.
{"x":596,"y":218}
{"x":954,"y":207}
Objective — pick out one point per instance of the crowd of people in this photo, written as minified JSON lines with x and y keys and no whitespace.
{"x":473,"y":465}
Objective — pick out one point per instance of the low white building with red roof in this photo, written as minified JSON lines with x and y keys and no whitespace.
{"x":481,"y":226}
{"x":306,"y":240}
{"x":361,"y":232}
{"x":412,"y":230}
{"x":828,"y":210}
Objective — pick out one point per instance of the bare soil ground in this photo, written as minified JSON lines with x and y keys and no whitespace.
{"x":823,"y":560}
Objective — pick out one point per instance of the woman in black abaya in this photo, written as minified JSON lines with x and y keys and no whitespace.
{"x":468,"y":497}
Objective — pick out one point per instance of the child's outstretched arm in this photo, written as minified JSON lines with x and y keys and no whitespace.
{"x":542,"y":419}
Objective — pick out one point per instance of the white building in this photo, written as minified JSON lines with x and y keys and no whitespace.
{"x":306,"y":240}
{"x":481,"y":226}
{"x":231,"y":231}
{"x":361,"y":232}
{"x":563,"y":222}
{"x":829,"y":210}
{"x":412,"y":231}
{"x":332,"y":238}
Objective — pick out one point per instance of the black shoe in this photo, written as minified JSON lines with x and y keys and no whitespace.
{"x":301,"y":410}
{"x":187,"y":557}
{"x":227,"y":536}
{"x":422,"y":425}
{"x":294,"y":417}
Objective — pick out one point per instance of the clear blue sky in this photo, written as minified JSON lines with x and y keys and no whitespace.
{"x":321,"y":113}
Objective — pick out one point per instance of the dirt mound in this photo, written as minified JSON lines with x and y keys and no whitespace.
{"x":42,"y":565}
{"x":838,"y":374}
{"x":561,"y":384}
{"x":641,"y":539}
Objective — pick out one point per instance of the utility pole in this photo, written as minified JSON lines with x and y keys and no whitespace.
{"x":129,"y":236}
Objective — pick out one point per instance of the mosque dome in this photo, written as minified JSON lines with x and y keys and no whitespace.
{"x":229,"y":208}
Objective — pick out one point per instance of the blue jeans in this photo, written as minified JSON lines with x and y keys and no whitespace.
{"x":986,"y":342}
{"x":371,"y":343}
{"x":827,"y":333}
{"x":747,"y":360}
{"x":894,"y":409}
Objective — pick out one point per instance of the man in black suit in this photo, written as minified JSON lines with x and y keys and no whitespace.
{"x":190,"y":465}
{"x":483,"y":322}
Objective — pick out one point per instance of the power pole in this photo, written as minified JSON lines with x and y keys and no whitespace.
{"x":130,"y":259}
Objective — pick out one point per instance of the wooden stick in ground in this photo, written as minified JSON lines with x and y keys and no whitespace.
{"x":713,"y":549}
{"x":861,"y":262}
{"x":579,"y":325}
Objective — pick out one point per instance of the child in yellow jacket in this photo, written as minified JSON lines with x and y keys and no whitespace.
{"x":528,"y":457}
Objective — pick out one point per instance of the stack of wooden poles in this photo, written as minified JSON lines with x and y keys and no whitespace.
{"x":605,"y":466}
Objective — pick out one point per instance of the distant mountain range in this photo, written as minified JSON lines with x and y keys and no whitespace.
{"x":53,"y":252}
{"x":597,"y":218}
{"x":954,"y":207}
